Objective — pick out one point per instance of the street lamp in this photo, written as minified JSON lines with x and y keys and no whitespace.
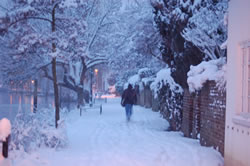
{"x":96,"y":71}
{"x":91,"y":88}
{"x":91,"y":84}
{"x":96,"y":80}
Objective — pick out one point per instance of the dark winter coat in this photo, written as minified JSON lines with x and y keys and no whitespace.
{"x":129,"y":96}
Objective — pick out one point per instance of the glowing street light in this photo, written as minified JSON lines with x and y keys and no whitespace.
{"x":96,"y":71}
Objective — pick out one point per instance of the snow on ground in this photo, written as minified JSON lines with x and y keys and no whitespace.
{"x":108,"y":140}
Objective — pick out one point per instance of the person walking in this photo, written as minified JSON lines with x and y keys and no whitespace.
{"x":128,"y":100}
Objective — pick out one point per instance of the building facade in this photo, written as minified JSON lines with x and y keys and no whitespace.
{"x":237,"y":129}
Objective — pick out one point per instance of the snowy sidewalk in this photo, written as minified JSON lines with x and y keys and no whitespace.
{"x":108,"y":140}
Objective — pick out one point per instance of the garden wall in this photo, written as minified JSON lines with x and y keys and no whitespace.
{"x":204,"y":116}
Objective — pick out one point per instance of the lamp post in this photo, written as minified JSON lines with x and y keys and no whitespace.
{"x":96,"y":73}
{"x":91,"y":88}
{"x":92,"y":71}
{"x":34,"y":82}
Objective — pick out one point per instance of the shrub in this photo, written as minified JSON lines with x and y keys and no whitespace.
{"x":34,"y":130}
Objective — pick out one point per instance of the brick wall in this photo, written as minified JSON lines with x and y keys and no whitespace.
{"x":204,"y":116}
{"x":213,"y":117}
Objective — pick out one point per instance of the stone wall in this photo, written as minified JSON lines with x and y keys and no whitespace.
{"x":146,"y":99}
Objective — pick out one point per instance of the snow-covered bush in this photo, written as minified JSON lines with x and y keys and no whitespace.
{"x":213,"y":70}
{"x":164,"y":77}
{"x":144,"y":77}
{"x":145,"y":72}
{"x":33,"y":130}
{"x":170,"y":96}
{"x":133,"y":80}
{"x":122,"y":79}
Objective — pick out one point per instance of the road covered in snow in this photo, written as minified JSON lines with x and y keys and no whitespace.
{"x":108,"y":140}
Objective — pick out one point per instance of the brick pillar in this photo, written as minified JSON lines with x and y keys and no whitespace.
{"x":187,"y":114}
{"x":196,"y":125}
{"x":148,"y":97}
{"x":141,"y":98}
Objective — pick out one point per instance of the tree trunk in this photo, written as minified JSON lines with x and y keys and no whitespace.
{"x":56,"y":94}
{"x":80,"y":90}
{"x":80,"y":97}
{"x":35,"y":96}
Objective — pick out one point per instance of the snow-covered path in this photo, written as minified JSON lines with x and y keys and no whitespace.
{"x":108,"y":140}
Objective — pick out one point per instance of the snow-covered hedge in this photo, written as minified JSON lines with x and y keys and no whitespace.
{"x":170,"y":96}
{"x":145,"y":76}
{"x":133,"y":80}
{"x":163,"y":78}
{"x":145,"y":73}
{"x":30,"y":131}
{"x":213,"y":70}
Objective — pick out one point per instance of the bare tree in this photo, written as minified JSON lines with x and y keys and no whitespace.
{"x":41,"y":29}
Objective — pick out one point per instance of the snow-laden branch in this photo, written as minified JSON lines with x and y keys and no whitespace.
{"x":206,"y":29}
{"x":27,"y":18}
{"x":154,"y":55}
{"x":96,"y":61}
{"x":91,"y":10}
{"x":4,"y":8}
{"x":97,"y":30}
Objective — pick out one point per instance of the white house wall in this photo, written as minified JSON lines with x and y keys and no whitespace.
{"x":237,"y":138}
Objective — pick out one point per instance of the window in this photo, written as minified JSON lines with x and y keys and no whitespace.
{"x":243,"y":117}
{"x":245,"y":51}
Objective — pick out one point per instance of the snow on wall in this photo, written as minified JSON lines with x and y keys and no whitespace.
{"x":133,"y":80}
{"x":213,"y":70}
{"x":5,"y":129}
{"x":148,"y":80}
{"x":144,"y":76}
{"x":164,"y":77}
{"x":145,"y":72}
